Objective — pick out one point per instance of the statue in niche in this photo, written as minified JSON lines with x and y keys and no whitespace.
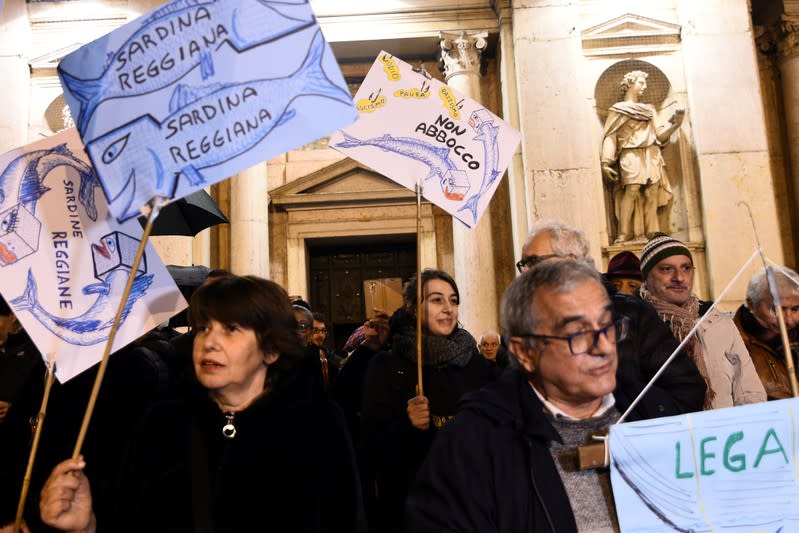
{"x":632,"y":161}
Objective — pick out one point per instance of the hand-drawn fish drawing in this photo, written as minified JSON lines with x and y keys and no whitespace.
{"x":22,"y":181}
{"x":482,"y":123}
{"x":435,"y":157}
{"x":209,"y":125}
{"x":92,"y":326}
{"x":177,"y":38}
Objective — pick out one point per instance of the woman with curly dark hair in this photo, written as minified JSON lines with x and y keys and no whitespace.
{"x":251,"y":446}
{"x":399,"y":424}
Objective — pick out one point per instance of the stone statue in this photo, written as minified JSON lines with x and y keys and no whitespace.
{"x":632,"y":160}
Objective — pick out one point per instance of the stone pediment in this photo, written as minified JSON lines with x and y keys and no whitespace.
{"x":344,"y":183}
{"x":630,"y":33}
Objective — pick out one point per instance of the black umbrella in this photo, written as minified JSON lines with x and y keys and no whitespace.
{"x":187,"y":216}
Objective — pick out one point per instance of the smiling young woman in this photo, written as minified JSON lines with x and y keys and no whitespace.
{"x":398,"y":423}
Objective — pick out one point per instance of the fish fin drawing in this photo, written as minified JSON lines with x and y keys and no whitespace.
{"x":95,"y":288}
{"x":286,"y":117}
{"x":79,"y":326}
{"x":431,"y":174}
{"x":191,"y":173}
{"x":27,"y":300}
{"x":315,"y":80}
{"x":137,"y":290}
{"x":471,"y":205}
{"x":88,"y":182}
{"x":184,"y":95}
{"x":349,"y":141}
{"x":87,"y":92}
{"x":206,"y":64}
{"x":159,"y":170}
{"x":285,"y":18}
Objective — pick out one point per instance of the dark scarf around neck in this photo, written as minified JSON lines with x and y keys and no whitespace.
{"x":456,"y":349}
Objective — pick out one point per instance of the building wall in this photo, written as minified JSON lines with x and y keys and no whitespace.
{"x":730,"y":149}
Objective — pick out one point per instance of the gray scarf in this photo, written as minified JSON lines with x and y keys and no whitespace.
{"x":456,"y":349}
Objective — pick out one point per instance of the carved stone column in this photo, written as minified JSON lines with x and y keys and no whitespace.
{"x":788,"y":64}
{"x":472,"y":248}
{"x":249,"y":226}
{"x":15,"y":43}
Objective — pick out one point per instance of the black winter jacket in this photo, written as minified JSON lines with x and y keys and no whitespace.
{"x":289,"y":468}
{"x":394,"y":449}
{"x":649,"y":344}
{"x":490,"y":469}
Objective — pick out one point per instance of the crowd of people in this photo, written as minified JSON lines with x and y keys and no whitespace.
{"x":249,"y":422}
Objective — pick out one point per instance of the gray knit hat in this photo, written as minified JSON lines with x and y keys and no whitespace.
{"x":659,"y":247}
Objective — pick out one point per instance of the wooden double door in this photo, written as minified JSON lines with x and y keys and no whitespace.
{"x":337,"y":273}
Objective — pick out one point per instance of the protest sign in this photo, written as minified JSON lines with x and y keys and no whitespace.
{"x":199,"y":90}
{"x":64,"y":260}
{"x":413,"y":127}
{"x":732,"y":470}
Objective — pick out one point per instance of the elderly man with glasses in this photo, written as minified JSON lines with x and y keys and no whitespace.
{"x":508,"y":460}
{"x":649,"y":343}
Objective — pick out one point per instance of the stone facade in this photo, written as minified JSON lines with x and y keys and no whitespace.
{"x":550,"y":68}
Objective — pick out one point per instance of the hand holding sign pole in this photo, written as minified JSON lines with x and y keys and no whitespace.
{"x":64,"y":262}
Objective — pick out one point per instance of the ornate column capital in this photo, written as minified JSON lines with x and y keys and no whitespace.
{"x":788,"y":44}
{"x":461,"y":51}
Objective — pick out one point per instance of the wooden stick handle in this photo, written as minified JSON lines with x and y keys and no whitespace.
{"x":156,"y":204}
{"x":26,"y":482}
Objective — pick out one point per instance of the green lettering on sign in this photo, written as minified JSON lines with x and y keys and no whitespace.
{"x":766,"y":451}
{"x":680,"y":475}
{"x":705,"y":455}
{"x":737,"y":462}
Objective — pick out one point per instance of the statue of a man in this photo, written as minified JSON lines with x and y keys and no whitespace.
{"x":631,"y":157}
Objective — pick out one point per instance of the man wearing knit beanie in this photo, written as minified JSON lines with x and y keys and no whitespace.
{"x":649,"y":343}
{"x":717,"y":348}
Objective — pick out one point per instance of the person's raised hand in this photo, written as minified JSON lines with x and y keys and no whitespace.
{"x":66,"y":499}
{"x":375,"y":330}
{"x":419,"y":411}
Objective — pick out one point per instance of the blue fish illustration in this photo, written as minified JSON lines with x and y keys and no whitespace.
{"x":177,"y":38}
{"x":435,"y":157}
{"x":92,"y":326}
{"x":210,"y":125}
{"x":487,"y":135}
{"x":22,"y":181}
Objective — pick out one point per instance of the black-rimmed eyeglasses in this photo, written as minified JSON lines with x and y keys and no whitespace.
{"x":586,"y":340}
{"x":530,"y":261}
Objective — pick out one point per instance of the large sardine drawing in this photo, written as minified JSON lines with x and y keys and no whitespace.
{"x":177,"y":38}
{"x":482,"y":123}
{"x":435,"y":157}
{"x":22,"y":181}
{"x":92,"y":326}
{"x":209,"y":125}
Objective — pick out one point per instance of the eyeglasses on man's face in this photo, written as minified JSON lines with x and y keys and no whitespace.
{"x":319,"y":330}
{"x":526,"y":263}
{"x":585,"y":341}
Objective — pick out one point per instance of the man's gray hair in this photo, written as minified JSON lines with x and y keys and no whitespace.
{"x":757,"y":290}
{"x":517,"y":314}
{"x":489,"y":333}
{"x":566,"y":240}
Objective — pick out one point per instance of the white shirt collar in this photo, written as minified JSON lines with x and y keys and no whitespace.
{"x":608,"y":401}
